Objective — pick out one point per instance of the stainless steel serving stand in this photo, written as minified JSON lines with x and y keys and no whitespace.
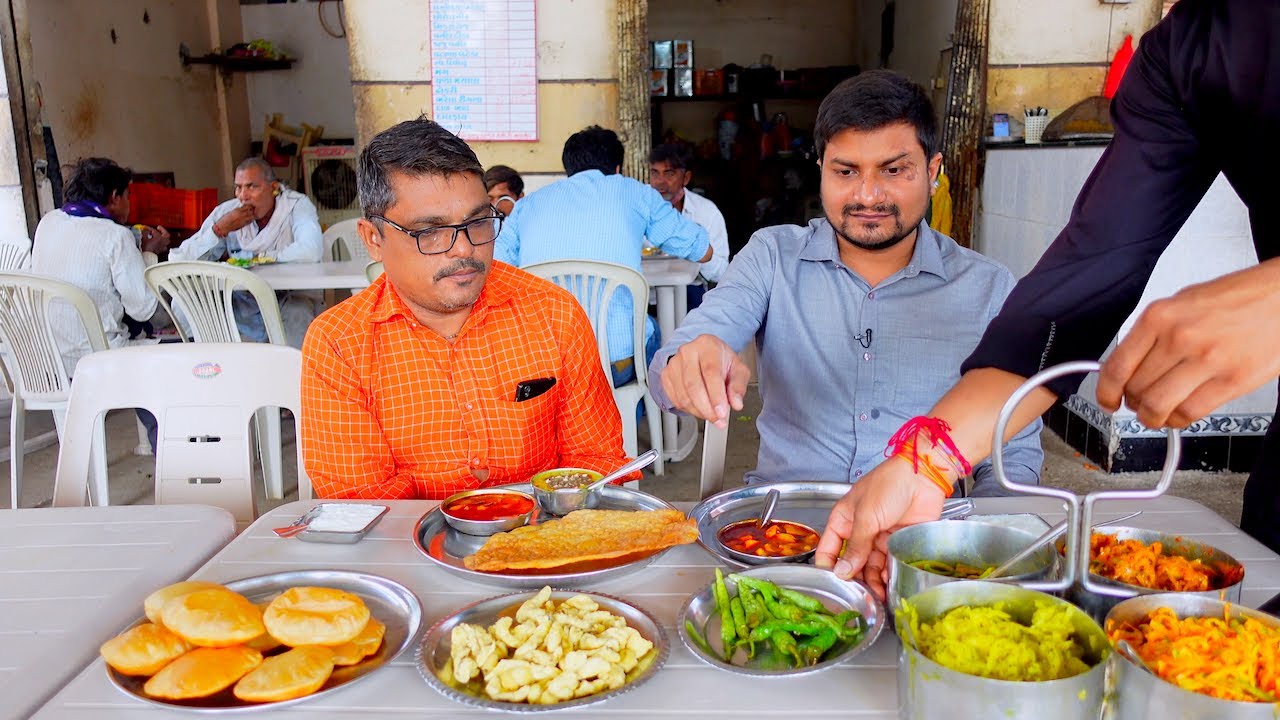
{"x":1079,"y":509}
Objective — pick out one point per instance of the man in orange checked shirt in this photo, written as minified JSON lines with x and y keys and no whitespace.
{"x":451,"y":371}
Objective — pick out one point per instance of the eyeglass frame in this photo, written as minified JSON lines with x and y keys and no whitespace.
{"x":463,"y":228}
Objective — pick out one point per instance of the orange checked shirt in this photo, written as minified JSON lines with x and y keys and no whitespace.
{"x":391,"y":410}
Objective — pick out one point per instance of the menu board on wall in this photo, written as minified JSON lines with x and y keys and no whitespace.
{"x":484,"y":61}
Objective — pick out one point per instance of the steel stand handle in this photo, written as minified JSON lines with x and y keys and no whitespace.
{"x":1079,"y":515}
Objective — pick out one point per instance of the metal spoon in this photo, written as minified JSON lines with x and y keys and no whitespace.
{"x":294,"y":528}
{"x":770,"y":502}
{"x":1049,"y":536}
{"x":643,"y":461}
{"x":1124,"y":648}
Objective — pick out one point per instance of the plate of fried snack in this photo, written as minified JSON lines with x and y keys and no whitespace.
{"x":543,"y":650}
{"x":261,"y":642}
{"x":622,"y":530}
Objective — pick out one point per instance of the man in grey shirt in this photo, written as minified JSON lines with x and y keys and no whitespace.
{"x":861,"y":318}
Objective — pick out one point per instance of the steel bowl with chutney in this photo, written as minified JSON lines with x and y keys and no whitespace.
{"x":487,"y":511}
{"x":562,"y":490}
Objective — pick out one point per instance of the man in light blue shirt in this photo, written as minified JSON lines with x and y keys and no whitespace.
{"x":861,"y":319}
{"x":597,"y":214}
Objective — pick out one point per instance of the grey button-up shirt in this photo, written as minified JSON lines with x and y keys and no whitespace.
{"x":832,"y":400}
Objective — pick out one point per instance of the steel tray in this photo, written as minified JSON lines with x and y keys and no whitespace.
{"x":446,"y":547}
{"x":389,"y":601}
{"x":433,"y":653}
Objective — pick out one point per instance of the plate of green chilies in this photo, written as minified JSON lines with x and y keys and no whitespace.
{"x":778,"y":620}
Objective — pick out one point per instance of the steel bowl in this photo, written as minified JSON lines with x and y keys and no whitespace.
{"x":928,"y":690}
{"x":1141,"y":695}
{"x":565,"y":500}
{"x":487,"y":527}
{"x":967,"y":541}
{"x":749,"y":559}
{"x":1098,"y":604}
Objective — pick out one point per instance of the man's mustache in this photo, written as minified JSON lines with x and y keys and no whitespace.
{"x":458,"y":266}
{"x":877,"y":209}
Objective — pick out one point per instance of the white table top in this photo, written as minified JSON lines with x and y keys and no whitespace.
{"x":668,"y":270}
{"x":343,"y":275}
{"x":73,"y":577}
{"x":865,"y":687}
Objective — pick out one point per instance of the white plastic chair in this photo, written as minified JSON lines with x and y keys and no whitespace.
{"x":34,"y":364}
{"x":203,"y":292}
{"x":593,"y":284}
{"x":373,"y":270}
{"x":342,"y":236}
{"x":15,"y":254}
{"x":203,"y":395}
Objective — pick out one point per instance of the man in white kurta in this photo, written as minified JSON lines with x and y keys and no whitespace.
{"x":669,"y":174}
{"x":269,"y":220}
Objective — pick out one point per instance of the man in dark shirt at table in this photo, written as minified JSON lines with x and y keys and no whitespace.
{"x":1202,"y":96}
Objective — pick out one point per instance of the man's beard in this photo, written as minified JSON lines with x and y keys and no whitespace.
{"x":899,"y":232}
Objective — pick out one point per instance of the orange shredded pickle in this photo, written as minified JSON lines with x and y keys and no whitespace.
{"x":1222,"y":657}
{"x":1136,"y":563}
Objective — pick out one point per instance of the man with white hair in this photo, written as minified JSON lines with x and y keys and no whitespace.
{"x":269,"y":220}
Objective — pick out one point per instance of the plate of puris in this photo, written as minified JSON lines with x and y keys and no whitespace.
{"x":261,"y":642}
{"x":621,"y":531}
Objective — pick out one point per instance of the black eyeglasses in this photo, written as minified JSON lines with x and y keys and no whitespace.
{"x":440,"y":238}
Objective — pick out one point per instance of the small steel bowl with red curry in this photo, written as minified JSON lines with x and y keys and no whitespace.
{"x":778,"y":541}
{"x":488,"y":511}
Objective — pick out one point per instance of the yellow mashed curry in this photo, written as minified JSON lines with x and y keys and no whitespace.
{"x":989,"y":642}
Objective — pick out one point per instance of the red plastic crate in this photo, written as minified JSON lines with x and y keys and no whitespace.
{"x":152,"y":204}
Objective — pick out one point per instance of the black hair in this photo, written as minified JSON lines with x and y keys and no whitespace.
{"x":874,"y":100}
{"x":592,"y":148}
{"x":414,"y":147}
{"x":673,"y":154}
{"x":96,"y":179}
{"x":499,"y":174}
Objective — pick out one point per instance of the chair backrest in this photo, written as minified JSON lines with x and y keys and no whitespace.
{"x":593,"y":284}
{"x":203,"y":396}
{"x":32,"y":358}
{"x":15,"y":254}
{"x":342,"y":236}
{"x":373,"y":270}
{"x":202,"y":293}
{"x":711,"y":476}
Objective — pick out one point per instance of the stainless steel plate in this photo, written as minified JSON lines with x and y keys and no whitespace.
{"x":389,"y":601}
{"x":446,"y":547}
{"x":433,"y":653}
{"x":808,"y":503}
{"x":838,"y":595}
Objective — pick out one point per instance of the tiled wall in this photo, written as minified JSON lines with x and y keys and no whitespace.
{"x":1027,"y":195}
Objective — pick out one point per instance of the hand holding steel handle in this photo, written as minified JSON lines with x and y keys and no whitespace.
{"x":1079,"y":519}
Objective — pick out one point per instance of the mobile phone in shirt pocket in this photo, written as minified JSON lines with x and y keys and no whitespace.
{"x":524,"y":432}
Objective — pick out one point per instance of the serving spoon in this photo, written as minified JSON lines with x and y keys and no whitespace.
{"x":644,"y":460}
{"x":1049,"y":536}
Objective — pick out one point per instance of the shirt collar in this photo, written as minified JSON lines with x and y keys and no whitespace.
{"x":926,"y":257}
{"x":498,"y":289}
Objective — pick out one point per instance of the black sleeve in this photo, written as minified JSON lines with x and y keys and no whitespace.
{"x":1146,"y":184}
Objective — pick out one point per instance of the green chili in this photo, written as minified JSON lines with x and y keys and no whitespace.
{"x":728,"y":633}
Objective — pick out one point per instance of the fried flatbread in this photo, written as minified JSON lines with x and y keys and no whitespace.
{"x":582,"y":536}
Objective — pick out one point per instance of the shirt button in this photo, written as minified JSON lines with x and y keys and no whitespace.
{"x":866,"y":356}
{"x":467,"y":406}
{"x":475,"y":461}
{"x":857,"y":473}
{"x":863,"y":416}
{"x":871,"y":295}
